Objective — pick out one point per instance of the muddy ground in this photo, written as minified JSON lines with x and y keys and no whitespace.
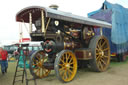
{"x":117,"y":74}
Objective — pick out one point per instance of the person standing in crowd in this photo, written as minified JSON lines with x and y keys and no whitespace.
{"x":4,"y":62}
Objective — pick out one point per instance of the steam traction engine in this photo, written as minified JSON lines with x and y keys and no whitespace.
{"x":66,"y":40}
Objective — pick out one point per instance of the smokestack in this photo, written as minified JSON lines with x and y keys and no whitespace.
{"x":54,"y":6}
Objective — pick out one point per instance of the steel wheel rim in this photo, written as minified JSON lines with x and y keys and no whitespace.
{"x":102,"y":54}
{"x":67,"y":66}
{"x":37,"y":65}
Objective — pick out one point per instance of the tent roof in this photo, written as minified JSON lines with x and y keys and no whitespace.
{"x":119,"y":20}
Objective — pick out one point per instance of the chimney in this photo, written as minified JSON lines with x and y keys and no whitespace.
{"x":54,"y":7}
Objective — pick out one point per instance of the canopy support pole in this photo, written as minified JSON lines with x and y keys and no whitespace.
{"x":21,"y":32}
{"x":43,"y":24}
{"x":101,"y":31}
{"x":30,"y":23}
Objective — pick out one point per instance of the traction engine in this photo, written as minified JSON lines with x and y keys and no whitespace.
{"x":67,"y":41}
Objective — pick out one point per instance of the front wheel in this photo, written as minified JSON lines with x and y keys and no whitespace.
{"x":37,"y":60}
{"x":65,"y":66}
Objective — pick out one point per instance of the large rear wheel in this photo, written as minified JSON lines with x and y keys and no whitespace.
{"x":99,"y":46}
{"x":65,"y":66}
{"x":36,"y":64}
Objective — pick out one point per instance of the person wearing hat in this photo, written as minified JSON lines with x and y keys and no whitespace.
{"x":3,"y":60}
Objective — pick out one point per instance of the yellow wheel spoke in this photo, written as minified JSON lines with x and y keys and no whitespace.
{"x":100,"y":43}
{"x":65,"y":74}
{"x":38,"y":57}
{"x":44,"y":59}
{"x":98,"y":46}
{"x":61,"y":73}
{"x":34,"y":64}
{"x":62,"y":61}
{"x":103,"y":61}
{"x":68,"y":72}
{"x":71,"y":67}
{"x":67,"y":57}
{"x":37,"y":71}
{"x":103,"y":44}
{"x":61,"y":65}
{"x":105,"y":56}
{"x":97,"y":53}
{"x":70,"y":60}
{"x":34,"y":60}
{"x":97,"y":58}
{"x":105,"y":49}
{"x":100,"y":65}
{"x":71,"y":63}
{"x":62,"y":57}
{"x":61,"y":68}
{"x":43,"y":72}
{"x":41,"y":61}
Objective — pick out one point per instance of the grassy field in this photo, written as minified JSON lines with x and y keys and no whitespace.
{"x":117,"y":74}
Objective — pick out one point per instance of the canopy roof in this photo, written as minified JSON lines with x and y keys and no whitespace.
{"x":56,"y":14}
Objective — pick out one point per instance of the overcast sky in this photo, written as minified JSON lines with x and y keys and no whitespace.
{"x":9,"y":28}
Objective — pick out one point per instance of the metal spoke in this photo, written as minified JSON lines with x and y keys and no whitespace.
{"x":103,"y":44}
{"x":69,"y":74}
{"x":71,"y":63}
{"x":70,"y":71}
{"x":44,"y":58}
{"x":71,"y":67}
{"x":61,"y":68}
{"x":37,"y":70}
{"x":100,"y":43}
{"x":62,"y":61}
{"x":61,"y":73}
{"x":68,"y":55}
{"x":97,"y":54}
{"x":61,"y":65}
{"x":65,"y":74}
{"x":103,"y":61}
{"x":38,"y":57}
{"x":97,"y":58}
{"x":70,"y":60}
{"x":98,"y":46}
{"x":105,"y":56}
{"x":43,"y":72}
{"x":105,"y":49}
{"x":34,"y":64}
{"x":100,"y":65}
{"x":34,"y":60}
